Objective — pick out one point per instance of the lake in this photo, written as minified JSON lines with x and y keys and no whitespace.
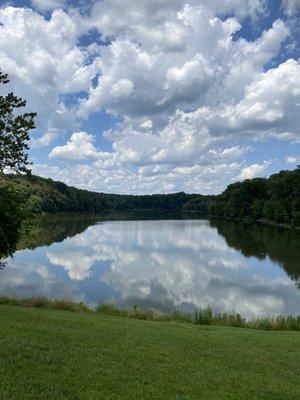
{"x":163,"y":264}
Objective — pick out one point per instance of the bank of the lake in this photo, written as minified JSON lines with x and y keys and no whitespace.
{"x":204,"y":316}
{"x":50,"y":354}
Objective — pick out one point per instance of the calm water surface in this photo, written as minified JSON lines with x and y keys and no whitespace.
{"x":159,"y":264}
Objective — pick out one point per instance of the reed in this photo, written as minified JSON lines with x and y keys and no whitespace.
{"x":204,"y":316}
{"x":135,"y":312}
{"x":42,"y":302}
{"x":279,"y":323}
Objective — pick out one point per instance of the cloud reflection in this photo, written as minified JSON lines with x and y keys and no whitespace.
{"x":154,"y":264}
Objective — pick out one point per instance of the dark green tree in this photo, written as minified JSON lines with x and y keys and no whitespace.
{"x":14,"y":131}
{"x":14,"y":137}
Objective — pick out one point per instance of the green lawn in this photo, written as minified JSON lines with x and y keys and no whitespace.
{"x":49,"y":354}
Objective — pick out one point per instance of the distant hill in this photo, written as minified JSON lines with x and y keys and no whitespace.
{"x":45,"y":195}
{"x":274,"y":199}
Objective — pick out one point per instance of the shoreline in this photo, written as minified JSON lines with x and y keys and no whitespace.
{"x":160,"y":212}
{"x":204,"y":316}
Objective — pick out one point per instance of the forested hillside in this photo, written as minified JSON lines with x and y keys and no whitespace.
{"x":45,"y":195}
{"x":274,"y":199}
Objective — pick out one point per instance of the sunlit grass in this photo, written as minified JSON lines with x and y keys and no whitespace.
{"x":49,"y":354}
{"x":204,"y":316}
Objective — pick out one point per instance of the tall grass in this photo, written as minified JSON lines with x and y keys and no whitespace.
{"x":111,"y":309}
{"x":279,"y":323}
{"x":204,"y":316}
{"x":42,"y":302}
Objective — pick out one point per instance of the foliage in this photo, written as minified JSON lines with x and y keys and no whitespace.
{"x":275,"y":199}
{"x":14,"y":131}
{"x":42,"y":302}
{"x":52,"y":197}
{"x":14,"y":135}
{"x":10,"y":219}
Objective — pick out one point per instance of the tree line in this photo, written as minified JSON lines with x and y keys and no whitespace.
{"x":275,"y":199}
{"x":40,"y":195}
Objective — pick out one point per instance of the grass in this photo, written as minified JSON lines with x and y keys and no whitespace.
{"x":136,"y":313}
{"x":200,"y":317}
{"x":47,"y":354}
{"x":278,"y":323}
{"x":42,"y":302}
{"x":207,"y":317}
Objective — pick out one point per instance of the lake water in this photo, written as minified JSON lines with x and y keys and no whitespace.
{"x":159,"y":264}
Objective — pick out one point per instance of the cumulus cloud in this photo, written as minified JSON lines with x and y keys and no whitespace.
{"x":177,"y":120}
{"x":144,"y":180}
{"x":191,"y":95}
{"x":45,"y":56}
{"x":206,"y":69}
{"x":271,"y":101}
{"x":253,"y":170}
{"x":156,"y":20}
{"x":79,"y":147}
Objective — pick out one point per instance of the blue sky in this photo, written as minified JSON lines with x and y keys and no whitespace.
{"x":160,"y":96}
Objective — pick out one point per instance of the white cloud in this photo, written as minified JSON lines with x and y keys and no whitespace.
{"x":154,"y":21}
{"x":191,"y":98}
{"x":45,"y":56}
{"x":207,"y":68}
{"x":253,"y":170}
{"x":79,"y":147}
{"x":272,"y":101}
{"x":45,"y":5}
{"x":291,"y":7}
{"x":196,"y":151}
{"x":292,"y":160}
{"x":122,"y":89}
{"x":69,"y":260}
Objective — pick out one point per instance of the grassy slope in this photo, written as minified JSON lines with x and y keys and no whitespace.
{"x":48,"y":354}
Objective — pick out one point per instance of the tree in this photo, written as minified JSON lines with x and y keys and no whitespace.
{"x":14,"y":136}
{"x":14,"y":131}
{"x":9,"y":221}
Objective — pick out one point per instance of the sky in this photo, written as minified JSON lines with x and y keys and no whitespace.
{"x":156,"y":96}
